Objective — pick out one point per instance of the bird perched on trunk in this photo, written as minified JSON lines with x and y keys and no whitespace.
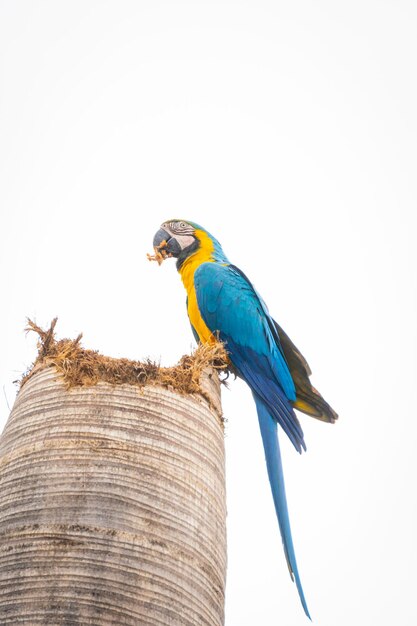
{"x":223,"y":304}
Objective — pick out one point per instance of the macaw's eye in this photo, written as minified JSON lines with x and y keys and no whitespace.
{"x":183,"y":224}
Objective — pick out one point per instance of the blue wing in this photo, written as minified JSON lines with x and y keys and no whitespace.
{"x":230,"y":306}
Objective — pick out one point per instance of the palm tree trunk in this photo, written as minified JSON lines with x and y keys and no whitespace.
{"x":112,"y":506}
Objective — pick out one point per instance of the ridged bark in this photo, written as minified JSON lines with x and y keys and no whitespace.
{"x":112,"y":506}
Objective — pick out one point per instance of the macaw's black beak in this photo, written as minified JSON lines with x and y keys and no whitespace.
{"x":160,"y":236}
{"x":165,"y":243}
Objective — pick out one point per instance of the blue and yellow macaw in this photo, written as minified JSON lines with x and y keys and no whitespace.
{"x":222,"y":303}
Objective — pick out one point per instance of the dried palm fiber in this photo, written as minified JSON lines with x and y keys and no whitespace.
{"x":112,"y":491}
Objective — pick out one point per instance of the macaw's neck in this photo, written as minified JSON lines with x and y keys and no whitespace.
{"x":208,"y":251}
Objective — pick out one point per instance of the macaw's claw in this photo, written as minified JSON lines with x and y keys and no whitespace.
{"x":160,"y":253}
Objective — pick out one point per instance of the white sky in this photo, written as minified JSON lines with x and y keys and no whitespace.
{"x":288,"y":129}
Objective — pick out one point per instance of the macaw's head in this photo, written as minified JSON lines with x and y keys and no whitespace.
{"x":181,"y":239}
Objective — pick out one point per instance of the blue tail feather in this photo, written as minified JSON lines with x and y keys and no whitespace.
{"x":269,"y":432}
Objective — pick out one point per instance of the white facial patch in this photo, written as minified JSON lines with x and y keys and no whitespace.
{"x":184,"y":240}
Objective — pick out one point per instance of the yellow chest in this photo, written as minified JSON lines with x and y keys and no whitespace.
{"x":187,"y":272}
{"x":206,"y":336}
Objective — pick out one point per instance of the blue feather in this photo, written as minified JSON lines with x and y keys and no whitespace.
{"x":252,"y":367}
{"x":229,"y":305}
{"x":270,"y":441}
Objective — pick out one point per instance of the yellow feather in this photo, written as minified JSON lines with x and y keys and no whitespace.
{"x":187,"y":271}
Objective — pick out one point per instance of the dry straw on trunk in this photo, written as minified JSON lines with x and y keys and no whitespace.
{"x":112,"y":496}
